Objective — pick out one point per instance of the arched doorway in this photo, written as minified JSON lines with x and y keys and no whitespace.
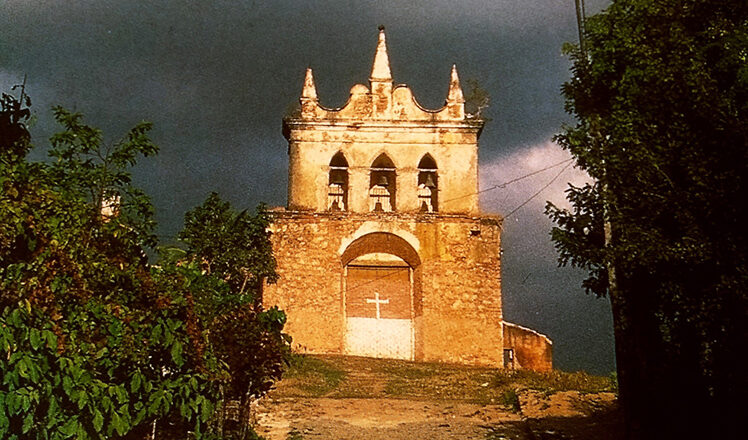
{"x":381,"y":294}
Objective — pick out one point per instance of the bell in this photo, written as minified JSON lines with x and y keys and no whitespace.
{"x":337,"y":178}
{"x":429,"y":183}
{"x":382,"y":180}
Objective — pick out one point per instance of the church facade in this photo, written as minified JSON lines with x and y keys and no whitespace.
{"x":382,"y":250}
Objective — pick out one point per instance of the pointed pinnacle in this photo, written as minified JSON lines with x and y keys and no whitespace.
{"x":455,"y":90}
{"x":380,"y":71}
{"x":310,"y":90}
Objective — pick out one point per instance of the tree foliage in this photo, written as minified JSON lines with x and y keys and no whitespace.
{"x":661,"y":99}
{"x":235,"y":247}
{"x":96,"y":342}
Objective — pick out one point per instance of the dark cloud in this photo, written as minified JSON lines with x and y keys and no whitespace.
{"x":216,"y":78}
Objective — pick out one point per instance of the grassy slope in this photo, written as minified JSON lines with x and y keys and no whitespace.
{"x":340,"y":376}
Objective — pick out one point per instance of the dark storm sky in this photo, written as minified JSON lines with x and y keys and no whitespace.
{"x":216,"y":77}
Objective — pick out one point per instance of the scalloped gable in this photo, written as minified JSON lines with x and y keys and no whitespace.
{"x":382,"y":102}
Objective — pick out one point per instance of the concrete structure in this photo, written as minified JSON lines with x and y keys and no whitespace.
{"x":382,"y":250}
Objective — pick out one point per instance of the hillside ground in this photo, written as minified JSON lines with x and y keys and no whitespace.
{"x":338,"y":397}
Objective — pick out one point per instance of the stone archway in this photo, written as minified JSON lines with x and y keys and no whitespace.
{"x":381,"y":297}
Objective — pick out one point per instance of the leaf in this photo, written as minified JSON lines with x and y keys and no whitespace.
{"x":118,"y":424}
{"x":206,"y":410}
{"x":51,"y":339}
{"x":184,"y":410}
{"x":176,"y":353}
{"x":25,"y":402}
{"x":155,"y":403}
{"x":121,"y":394}
{"x":23,"y":370}
{"x":35,"y":338}
{"x":135,"y":382}
{"x":82,"y":400}
{"x":28,"y":422}
{"x":98,"y":420}
{"x":70,"y":428}
{"x":67,"y":385}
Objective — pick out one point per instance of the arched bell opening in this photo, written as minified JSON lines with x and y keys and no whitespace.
{"x":337,"y":186}
{"x":428,"y":185}
{"x":382,"y":184}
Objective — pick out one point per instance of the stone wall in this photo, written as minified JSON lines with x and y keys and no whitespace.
{"x":532,"y":350}
{"x":457,"y":285}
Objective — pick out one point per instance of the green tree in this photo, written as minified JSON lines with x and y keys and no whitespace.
{"x":96,"y":342}
{"x":235,"y":247}
{"x":661,"y":98}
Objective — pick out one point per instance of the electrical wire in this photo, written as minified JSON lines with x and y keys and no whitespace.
{"x":538,"y":192}
{"x":509,"y":182}
{"x":568,"y":163}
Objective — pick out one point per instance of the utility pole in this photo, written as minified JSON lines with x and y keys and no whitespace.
{"x":622,"y":328}
{"x":580,"y":22}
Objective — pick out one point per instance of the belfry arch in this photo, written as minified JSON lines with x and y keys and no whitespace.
{"x":375,"y":242}
{"x":382,"y":299}
{"x":428,"y":184}
{"x":337,"y":185}
{"x":382,"y":185}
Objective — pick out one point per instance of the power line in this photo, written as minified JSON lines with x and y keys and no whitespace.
{"x":539,"y":191}
{"x":360,"y":285}
{"x":509,"y":182}
{"x":567,"y":162}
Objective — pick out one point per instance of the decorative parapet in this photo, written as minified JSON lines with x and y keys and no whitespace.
{"x":382,"y":100}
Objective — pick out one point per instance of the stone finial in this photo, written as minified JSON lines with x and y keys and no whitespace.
{"x":380,"y":71}
{"x":310,"y":90}
{"x":455,"y":90}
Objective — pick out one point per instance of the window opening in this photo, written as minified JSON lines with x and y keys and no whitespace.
{"x":509,"y":358}
{"x":382,"y":185}
{"x":428,"y":189}
{"x":337,"y":186}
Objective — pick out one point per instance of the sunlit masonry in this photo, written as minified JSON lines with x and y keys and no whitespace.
{"x":382,"y":250}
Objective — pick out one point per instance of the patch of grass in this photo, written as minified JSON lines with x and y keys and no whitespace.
{"x":294,"y":435}
{"x":342,"y":376}
{"x":553,"y":381}
{"x":313,"y":376}
{"x":510,"y":399}
{"x":410,"y":372}
{"x":613,"y":377}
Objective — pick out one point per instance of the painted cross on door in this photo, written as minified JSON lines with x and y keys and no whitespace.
{"x":377,"y":302}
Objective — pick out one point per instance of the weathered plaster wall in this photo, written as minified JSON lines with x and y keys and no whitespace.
{"x":458,"y":315}
{"x":532,"y":350}
{"x":313,"y":144}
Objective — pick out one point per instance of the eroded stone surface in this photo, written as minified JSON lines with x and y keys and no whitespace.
{"x":383,"y":186}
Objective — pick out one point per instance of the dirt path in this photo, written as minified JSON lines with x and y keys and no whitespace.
{"x":344,"y":398}
{"x":561,"y":416}
{"x":374,"y":419}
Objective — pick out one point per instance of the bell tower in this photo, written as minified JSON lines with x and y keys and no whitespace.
{"x":382,"y":249}
{"x":381,"y":138}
